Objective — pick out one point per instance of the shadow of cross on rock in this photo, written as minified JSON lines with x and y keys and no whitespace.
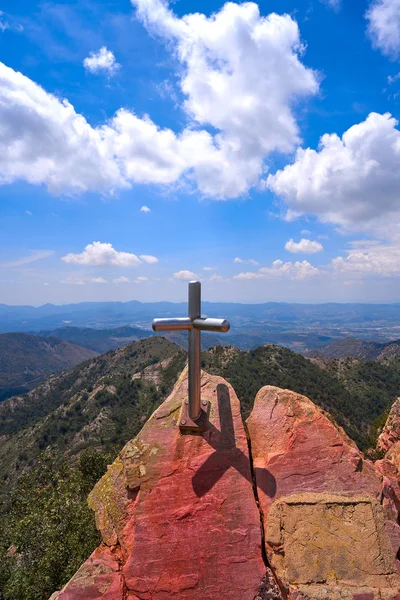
{"x":227,"y":455}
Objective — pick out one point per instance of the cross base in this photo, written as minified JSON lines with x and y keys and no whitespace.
{"x":200,"y":425}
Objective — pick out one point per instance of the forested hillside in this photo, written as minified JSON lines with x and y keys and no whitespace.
{"x":25,"y":360}
{"x":58,"y":438}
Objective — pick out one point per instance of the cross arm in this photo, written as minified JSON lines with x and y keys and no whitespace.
{"x":209,"y":324}
{"x":178,"y":324}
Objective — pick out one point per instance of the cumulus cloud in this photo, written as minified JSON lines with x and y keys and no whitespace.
{"x":303,"y":246}
{"x":352,"y":181}
{"x":24,"y":260}
{"x":208,"y":268}
{"x":145,"y":209}
{"x":100,"y":254}
{"x":185,"y":275}
{"x":101,"y":61}
{"x":369,"y":259}
{"x":99,"y":280}
{"x":43,"y":140}
{"x":141,"y":279}
{"x":279,"y":269}
{"x":121,"y":280}
{"x":250,"y":261}
{"x":231,"y":62}
{"x":149,"y":259}
{"x":384,"y":26}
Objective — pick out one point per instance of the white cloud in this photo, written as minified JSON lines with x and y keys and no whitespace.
{"x":353,"y":181}
{"x":185,"y":275}
{"x":369,"y":258}
{"x":141,"y":279}
{"x":145,"y":209}
{"x":384,"y":26}
{"x":24,"y":260}
{"x":102,"y":60}
{"x":3,"y":23}
{"x":305,"y":232}
{"x":279,"y":269}
{"x":392,"y":78}
{"x":99,"y":280}
{"x":8,"y":22}
{"x":218,"y":278}
{"x":28,"y":212}
{"x":43,"y":140}
{"x":305,"y":246}
{"x":46,"y":283}
{"x":231,"y":62}
{"x":209,"y":268}
{"x":73,"y":281}
{"x":121,"y":280}
{"x":250,"y":261}
{"x":234,"y":60}
{"x":335,"y":4}
{"x":101,"y":254}
{"x":149,"y":259}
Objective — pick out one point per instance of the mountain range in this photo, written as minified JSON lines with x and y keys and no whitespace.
{"x":356,"y":348}
{"x":25,"y":360}
{"x":301,"y":327}
{"x":102,"y":402}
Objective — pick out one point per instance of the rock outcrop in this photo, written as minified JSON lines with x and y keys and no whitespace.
{"x":177,"y":512}
{"x":330,"y":516}
{"x":391,"y":431}
{"x":292,"y":511}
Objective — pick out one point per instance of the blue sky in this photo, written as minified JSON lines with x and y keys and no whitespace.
{"x":144,"y":144}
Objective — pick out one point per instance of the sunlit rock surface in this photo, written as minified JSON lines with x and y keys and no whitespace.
{"x":389,"y":440}
{"x":330,"y":517}
{"x":178,"y":512}
{"x":303,"y":516}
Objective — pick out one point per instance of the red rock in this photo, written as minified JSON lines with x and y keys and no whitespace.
{"x":179,"y":509}
{"x":391,"y":430}
{"x":393,"y":454}
{"x":327,"y":536}
{"x":98,"y":577}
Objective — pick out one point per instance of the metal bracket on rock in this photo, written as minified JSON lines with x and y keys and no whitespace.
{"x":200,"y":425}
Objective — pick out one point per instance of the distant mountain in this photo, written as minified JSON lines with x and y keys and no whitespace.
{"x":259,"y":320}
{"x":355,"y":348}
{"x":102,"y":340}
{"x":99,"y":340}
{"x":25,"y":360}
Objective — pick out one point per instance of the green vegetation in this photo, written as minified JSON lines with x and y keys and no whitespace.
{"x":355,"y":393}
{"x":58,"y":438}
{"x":102,"y":403}
{"x":25,"y":359}
{"x":48,"y":530}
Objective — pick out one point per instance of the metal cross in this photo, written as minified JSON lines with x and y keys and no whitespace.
{"x":194,"y":414}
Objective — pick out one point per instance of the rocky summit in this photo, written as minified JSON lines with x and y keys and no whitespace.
{"x":283,"y":507}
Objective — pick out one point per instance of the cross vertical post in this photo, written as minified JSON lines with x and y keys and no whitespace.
{"x":194,"y":417}
{"x":194,"y":312}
